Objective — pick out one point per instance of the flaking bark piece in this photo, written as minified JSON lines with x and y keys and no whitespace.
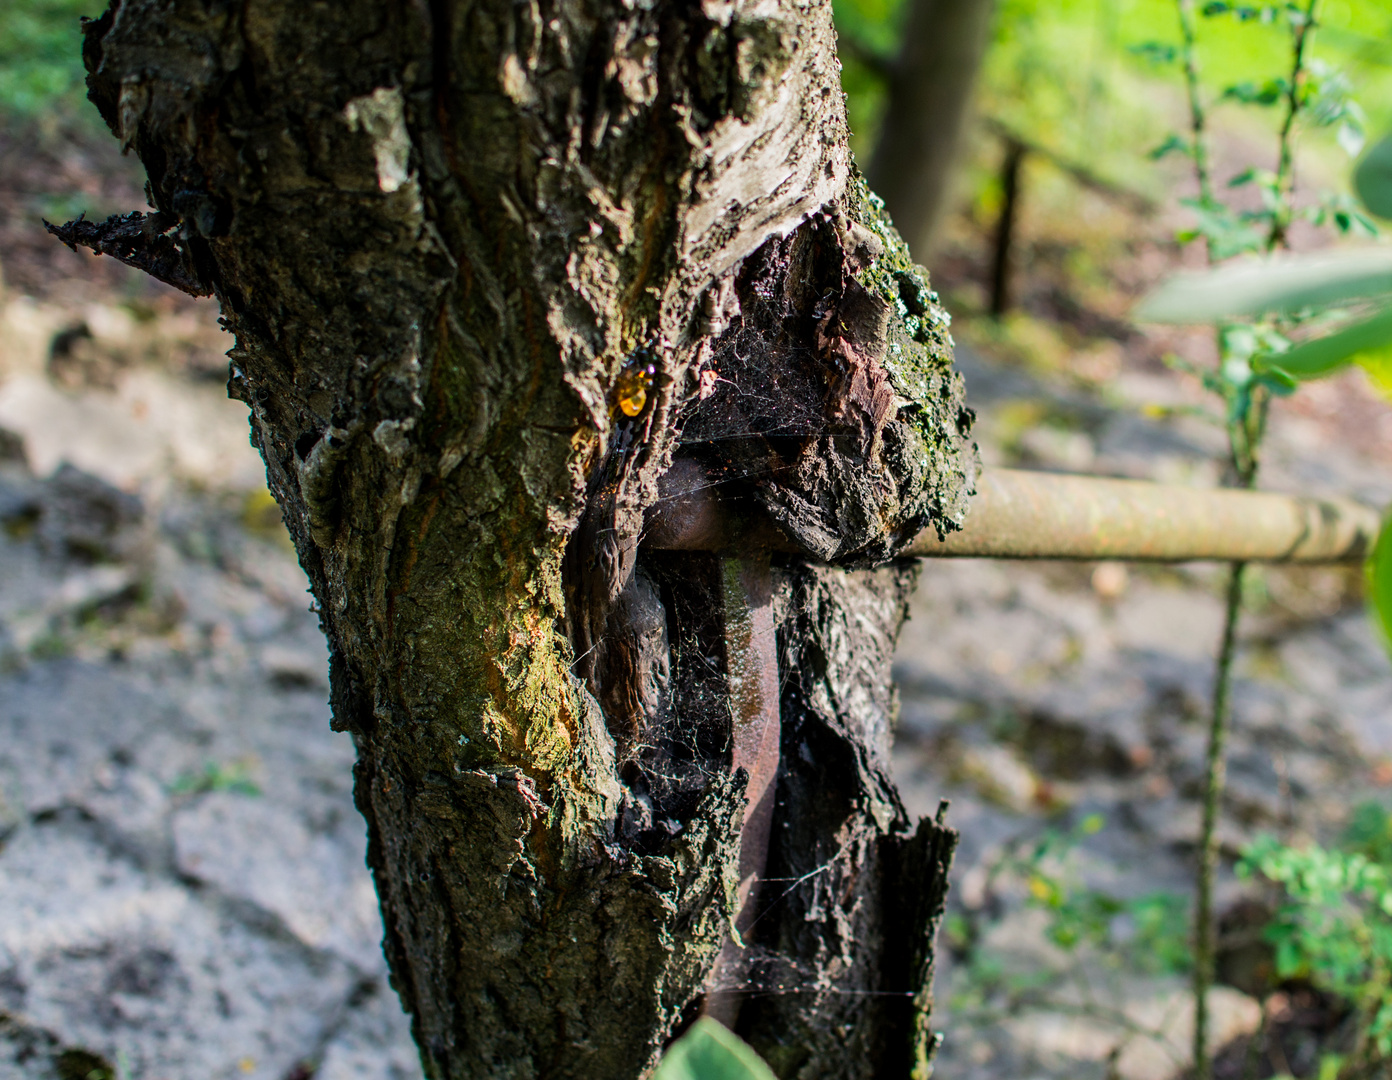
{"x":139,"y":240}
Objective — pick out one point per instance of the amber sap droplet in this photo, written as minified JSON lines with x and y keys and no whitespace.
{"x":634,"y":383}
{"x":632,"y":400}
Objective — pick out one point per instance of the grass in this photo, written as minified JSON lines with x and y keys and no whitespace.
{"x":41,"y":57}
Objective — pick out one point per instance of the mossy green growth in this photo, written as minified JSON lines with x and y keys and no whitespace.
{"x":904,"y":284}
{"x":918,"y":361}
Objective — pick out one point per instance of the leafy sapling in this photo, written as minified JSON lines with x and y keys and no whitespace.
{"x":1256,"y":331}
{"x":1345,"y":301}
{"x":1335,"y":929}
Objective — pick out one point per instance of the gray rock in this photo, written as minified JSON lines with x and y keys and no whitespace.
{"x":373,"y":1042}
{"x":142,"y":970}
{"x":182,"y":873}
{"x":83,"y":516}
{"x":307,"y":873}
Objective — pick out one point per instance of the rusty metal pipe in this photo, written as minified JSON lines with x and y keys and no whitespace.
{"x":751,"y":665}
{"x":1032,"y":515}
{"x":1018,"y":514}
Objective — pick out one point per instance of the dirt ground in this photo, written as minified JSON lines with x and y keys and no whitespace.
{"x":181,"y":866}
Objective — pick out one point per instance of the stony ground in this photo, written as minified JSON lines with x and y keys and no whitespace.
{"x":181,"y":866}
{"x":182,"y":873}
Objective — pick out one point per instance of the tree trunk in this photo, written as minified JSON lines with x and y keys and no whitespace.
{"x":930,"y":90}
{"x":493,"y":267}
{"x":1003,"y":257}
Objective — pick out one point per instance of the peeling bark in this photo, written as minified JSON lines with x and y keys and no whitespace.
{"x":492,"y":269}
{"x":139,"y":240}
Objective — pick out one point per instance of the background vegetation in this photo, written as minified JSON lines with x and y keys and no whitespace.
{"x":40,"y":60}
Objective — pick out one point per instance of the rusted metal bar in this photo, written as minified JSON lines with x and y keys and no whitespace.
{"x":751,"y":662}
{"x":1031,"y":515}
{"x":1018,"y":514}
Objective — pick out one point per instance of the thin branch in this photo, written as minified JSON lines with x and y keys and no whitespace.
{"x":1244,"y":439}
{"x":1285,"y":165}
{"x":1078,"y":173}
{"x":1215,"y":774}
{"x":1198,"y":119}
{"x":1244,"y":436}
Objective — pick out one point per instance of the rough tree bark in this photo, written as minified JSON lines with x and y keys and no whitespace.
{"x":493,"y":267}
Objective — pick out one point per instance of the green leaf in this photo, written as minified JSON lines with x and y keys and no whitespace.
{"x":1377,"y":364}
{"x":1313,"y":359}
{"x":1157,"y":52}
{"x":1227,"y":233}
{"x":710,"y":1051}
{"x":1380,"y":581}
{"x":1243,"y":12}
{"x":1281,"y":383}
{"x":1350,"y":137}
{"x":1343,"y":212}
{"x":1249,"y":93}
{"x":1255,"y":287}
{"x":1173,"y":144}
{"x":1373,"y":179}
{"x":214,"y":777}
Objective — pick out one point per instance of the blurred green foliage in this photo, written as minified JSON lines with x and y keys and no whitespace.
{"x":1092,"y":79}
{"x":41,"y":57}
{"x":234,"y":776}
{"x":1335,"y":926}
{"x":1100,"y":934}
{"x":1140,"y":933}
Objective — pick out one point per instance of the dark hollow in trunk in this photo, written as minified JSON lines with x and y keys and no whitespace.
{"x":494,"y":270}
